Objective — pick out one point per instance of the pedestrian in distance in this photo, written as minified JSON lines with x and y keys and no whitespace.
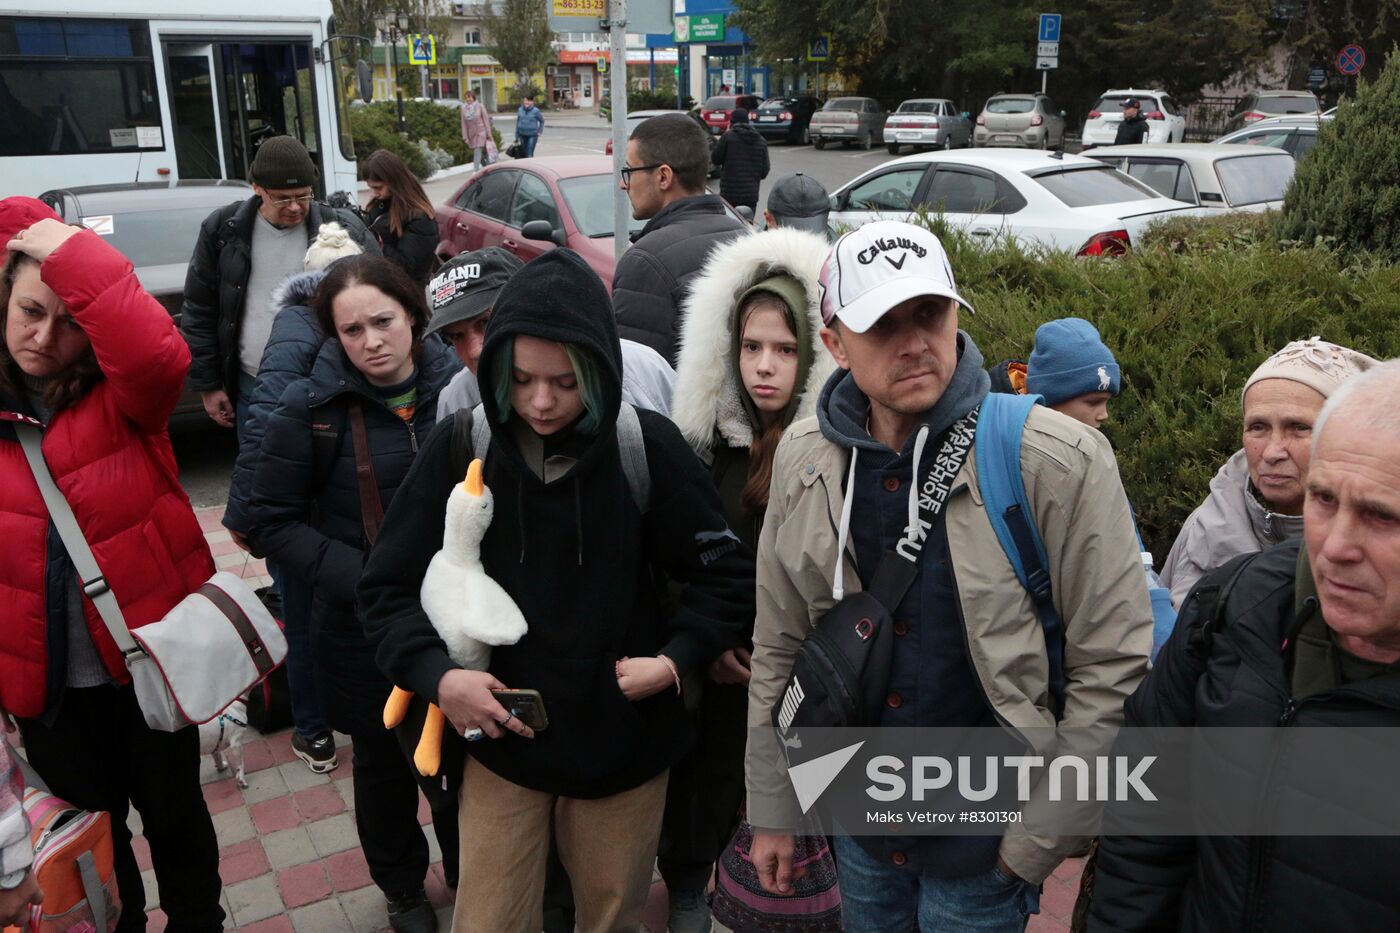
{"x":799,"y":201}
{"x":668,"y":160}
{"x":576,"y":540}
{"x":336,"y":452}
{"x":99,"y":363}
{"x":244,"y":251}
{"x":1304,"y":636}
{"x":461,"y":296}
{"x":291,"y":350}
{"x":752,"y":362}
{"x":743,"y":155}
{"x":476,"y":130}
{"x":847,"y":486}
{"x":400,"y":215}
{"x":1256,"y":498}
{"x":1133,"y":127}
{"x":529,"y":125}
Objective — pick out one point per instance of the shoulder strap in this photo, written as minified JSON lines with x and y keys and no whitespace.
{"x":94,"y":584}
{"x":325,"y":447}
{"x":999,"y":429}
{"x":631,"y":447}
{"x":371,"y":505}
{"x":1211,"y":599}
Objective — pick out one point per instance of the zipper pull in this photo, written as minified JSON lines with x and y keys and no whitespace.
{"x":1289,"y":709}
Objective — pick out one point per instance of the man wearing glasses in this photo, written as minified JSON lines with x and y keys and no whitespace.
{"x":244,"y":251}
{"x":668,"y":159}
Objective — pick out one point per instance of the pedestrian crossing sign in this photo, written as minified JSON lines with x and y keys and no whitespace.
{"x":422,"y":50}
{"x":819,"y":49}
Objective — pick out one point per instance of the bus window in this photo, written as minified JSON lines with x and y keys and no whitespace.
{"x":76,"y":85}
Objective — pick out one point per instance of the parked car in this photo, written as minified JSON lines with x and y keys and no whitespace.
{"x":531,"y":206}
{"x":1166,"y":119}
{"x":927,"y":123}
{"x":786,"y":118}
{"x":637,"y":116}
{"x":849,"y":120}
{"x":1027,"y":121}
{"x":1056,"y":201}
{"x":1260,"y":105}
{"x":716,"y":110}
{"x":1294,"y":135}
{"x":155,"y":225}
{"x":1218,"y":177}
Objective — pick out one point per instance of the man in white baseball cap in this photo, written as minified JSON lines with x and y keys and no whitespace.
{"x":895,"y":432}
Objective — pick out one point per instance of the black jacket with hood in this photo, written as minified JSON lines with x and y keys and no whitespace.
{"x":1130,"y":131}
{"x":578,"y":558}
{"x":305,"y":509}
{"x":1244,"y":678}
{"x":653,"y":277}
{"x":211,"y":315}
{"x":744,"y":155}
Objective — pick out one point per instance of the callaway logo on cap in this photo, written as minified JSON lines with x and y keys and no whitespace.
{"x":879,"y":265}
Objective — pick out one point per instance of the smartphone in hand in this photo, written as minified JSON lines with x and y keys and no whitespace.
{"x":527,"y":705}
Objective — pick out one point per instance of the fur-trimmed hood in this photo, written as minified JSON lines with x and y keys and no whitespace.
{"x":708,"y":398}
{"x":297,"y":289}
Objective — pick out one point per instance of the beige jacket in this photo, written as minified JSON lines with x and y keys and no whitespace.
{"x":1072,"y":483}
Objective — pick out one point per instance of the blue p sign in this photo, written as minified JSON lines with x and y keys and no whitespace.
{"x":1049,"y":27}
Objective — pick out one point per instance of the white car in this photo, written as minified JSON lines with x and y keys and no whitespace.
{"x":1062,"y":202}
{"x":1166,"y":119}
{"x":1216,"y":176}
{"x":1295,"y":135}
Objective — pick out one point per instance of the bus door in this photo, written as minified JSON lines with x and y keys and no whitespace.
{"x":198,"y":135}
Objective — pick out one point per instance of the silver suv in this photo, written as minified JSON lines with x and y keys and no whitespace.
{"x":1026,"y":121}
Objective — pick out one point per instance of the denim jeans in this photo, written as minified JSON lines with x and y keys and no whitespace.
{"x":880,"y":898}
{"x":301,"y":662}
{"x":529,"y":143}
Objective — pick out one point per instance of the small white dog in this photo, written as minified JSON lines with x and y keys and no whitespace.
{"x":222,"y":737}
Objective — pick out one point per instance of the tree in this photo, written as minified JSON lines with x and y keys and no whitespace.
{"x":1347,"y":190}
{"x":359,"y":17}
{"x":518,"y":35}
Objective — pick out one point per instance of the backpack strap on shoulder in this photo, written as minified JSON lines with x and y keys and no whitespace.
{"x":1211,"y":601}
{"x":631,"y":447}
{"x":1000,"y":424}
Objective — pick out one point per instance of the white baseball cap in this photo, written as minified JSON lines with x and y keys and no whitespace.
{"x":879,"y":265}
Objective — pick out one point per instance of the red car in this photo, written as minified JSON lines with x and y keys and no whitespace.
{"x":532,"y":205}
{"x":716,"y":110}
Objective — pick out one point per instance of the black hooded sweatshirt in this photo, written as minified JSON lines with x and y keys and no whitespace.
{"x":579,"y":559}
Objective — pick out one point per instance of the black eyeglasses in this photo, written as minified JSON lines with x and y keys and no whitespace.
{"x":627,"y":171}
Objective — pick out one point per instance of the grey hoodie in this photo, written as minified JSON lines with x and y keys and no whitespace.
{"x":1232,"y":521}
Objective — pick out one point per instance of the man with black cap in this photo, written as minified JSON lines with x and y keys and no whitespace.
{"x":1133,"y":129}
{"x":244,"y":251}
{"x":461,"y":296}
{"x":799,"y":201}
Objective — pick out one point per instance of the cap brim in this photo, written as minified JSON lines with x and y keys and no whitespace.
{"x":861,"y":314}
{"x":463,"y":309}
{"x":814,"y":224}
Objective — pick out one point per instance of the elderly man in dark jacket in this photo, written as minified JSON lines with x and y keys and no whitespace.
{"x":668,"y":158}
{"x":244,"y":251}
{"x":744,"y":155}
{"x":1305,"y":636}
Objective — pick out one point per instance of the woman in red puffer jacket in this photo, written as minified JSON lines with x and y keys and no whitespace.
{"x":97,"y":361}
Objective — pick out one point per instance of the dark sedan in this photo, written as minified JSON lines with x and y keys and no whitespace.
{"x":786,"y":118}
{"x":155,"y":225}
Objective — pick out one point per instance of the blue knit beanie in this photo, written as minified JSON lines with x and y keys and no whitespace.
{"x":1070,"y":360}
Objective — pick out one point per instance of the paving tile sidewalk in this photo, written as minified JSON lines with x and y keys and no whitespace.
{"x":289,"y":855}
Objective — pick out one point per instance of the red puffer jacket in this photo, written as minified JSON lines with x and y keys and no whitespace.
{"x":111,"y":457}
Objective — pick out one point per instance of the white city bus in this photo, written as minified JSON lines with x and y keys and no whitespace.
{"x":117,"y":91}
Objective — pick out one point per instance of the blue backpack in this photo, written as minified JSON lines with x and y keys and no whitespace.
{"x":998,"y":450}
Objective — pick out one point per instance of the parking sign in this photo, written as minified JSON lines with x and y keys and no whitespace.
{"x":1049,"y":27}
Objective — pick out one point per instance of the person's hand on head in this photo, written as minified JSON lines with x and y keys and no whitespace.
{"x":40,"y":240}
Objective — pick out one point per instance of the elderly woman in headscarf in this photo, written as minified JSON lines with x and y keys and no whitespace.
{"x":1256,"y":500}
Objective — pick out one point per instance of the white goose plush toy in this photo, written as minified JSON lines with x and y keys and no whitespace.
{"x":469,"y":609}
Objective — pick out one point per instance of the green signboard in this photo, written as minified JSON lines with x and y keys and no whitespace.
{"x":701,"y":27}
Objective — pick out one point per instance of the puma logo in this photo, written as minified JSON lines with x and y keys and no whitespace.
{"x":898,"y":265}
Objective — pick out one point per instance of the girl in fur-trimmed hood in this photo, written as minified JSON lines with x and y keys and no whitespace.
{"x":751,"y":362}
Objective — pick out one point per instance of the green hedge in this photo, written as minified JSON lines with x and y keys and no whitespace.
{"x":1188,"y":316}
{"x":375,"y":126}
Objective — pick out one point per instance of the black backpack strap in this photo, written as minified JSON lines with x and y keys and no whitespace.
{"x":1211,"y":599}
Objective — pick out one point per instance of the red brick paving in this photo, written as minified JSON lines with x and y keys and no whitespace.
{"x":319,"y":802}
{"x":223,"y":795}
{"x":142,"y":850}
{"x":271,"y":815}
{"x":348,"y":870}
{"x":281,"y":924}
{"x":242,"y":861}
{"x":304,"y":884}
{"x":256,"y":757}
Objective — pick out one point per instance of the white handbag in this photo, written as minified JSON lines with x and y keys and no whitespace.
{"x":210,"y":649}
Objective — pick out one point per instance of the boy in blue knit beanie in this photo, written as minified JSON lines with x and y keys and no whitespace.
{"x":1073,"y":369}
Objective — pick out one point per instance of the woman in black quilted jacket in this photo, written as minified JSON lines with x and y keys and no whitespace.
{"x":400,"y":215}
